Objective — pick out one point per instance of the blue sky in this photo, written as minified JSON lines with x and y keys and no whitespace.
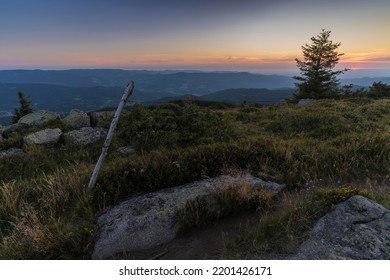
{"x":243,"y":35}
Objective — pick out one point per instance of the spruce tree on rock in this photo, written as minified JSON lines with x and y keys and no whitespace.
{"x":24,"y":109}
{"x":318,"y":79}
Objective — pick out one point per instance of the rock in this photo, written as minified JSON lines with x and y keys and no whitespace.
{"x":149,"y":220}
{"x":98,"y":118}
{"x":38,"y":119}
{"x":14,"y":128}
{"x":84,"y":136}
{"x":305,"y":102}
{"x":357,"y":229}
{"x":77,"y":119}
{"x":46,"y":136}
{"x":126,"y":150}
{"x":11,"y":152}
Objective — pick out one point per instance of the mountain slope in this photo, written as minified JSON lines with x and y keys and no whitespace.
{"x":251,"y":95}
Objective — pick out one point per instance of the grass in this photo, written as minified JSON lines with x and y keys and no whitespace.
{"x":46,"y":213}
{"x":281,"y":231}
{"x":230,"y":200}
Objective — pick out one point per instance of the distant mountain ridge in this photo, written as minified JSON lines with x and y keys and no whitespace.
{"x":187,"y":82}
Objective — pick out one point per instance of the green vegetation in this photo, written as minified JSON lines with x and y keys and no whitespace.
{"x":45,"y":211}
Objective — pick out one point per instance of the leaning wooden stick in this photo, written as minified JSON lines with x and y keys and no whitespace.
{"x":128,"y":91}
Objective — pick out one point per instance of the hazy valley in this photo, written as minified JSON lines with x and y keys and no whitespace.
{"x":90,"y":90}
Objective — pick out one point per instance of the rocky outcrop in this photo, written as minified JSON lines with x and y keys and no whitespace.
{"x":14,"y":128}
{"x":151,"y":219}
{"x":39,"y":118}
{"x":84,"y":136}
{"x":11,"y":152}
{"x":99,"y":118}
{"x":77,"y":119}
{"x":46,"y":136}
{"x":357,"y":229}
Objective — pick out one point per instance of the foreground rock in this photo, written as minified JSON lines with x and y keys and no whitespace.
{"x":46,"y":136}
{"x":11,"y":152}
{"x":77,"y":119}
{"x":151,"y":219}
{"x":357,"y":229}
{"x":84,"y":136}
{"x":38,"y":119}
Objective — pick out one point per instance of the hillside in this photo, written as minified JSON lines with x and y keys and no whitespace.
{"x":245,"y":95}
{"x":323,"y":153}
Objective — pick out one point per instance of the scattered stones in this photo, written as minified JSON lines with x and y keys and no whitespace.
{"x":84,"y":136}
{"x":357,"y":229}
{"x":305,"y":102}
{"x":126,"y":150}
{"x":151,"y":219}
{"x":39,"y":118}
{"x":46,"y":136}
{"x":11,"y":152}
{"x":77,"y":119}
{"x":99,"y":118}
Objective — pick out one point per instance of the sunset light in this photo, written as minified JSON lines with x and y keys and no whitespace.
{"x":247,"y":35}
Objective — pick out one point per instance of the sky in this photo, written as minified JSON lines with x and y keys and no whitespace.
{"x":226,"y":35}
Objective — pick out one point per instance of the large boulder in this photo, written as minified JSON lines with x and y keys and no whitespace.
{"x":38,"y":119}
{"x":357,"y":229}
{"x":46,"y":136}
{"x":101,"y":118}
{"x":84,"y":136}
{"x":14,"y":128}
{"x":149,"y":220}
{"x":11,"y":152}
{"x":77,"y":119}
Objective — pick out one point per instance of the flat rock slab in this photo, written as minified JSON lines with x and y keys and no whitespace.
{"x":149,"y":220}
{"x":84,"y":136}
{"x":126,"y":150}
{"x":38,"y":119}
{"x":43,"y":137}
{"x":11,"y":152}
{"x":357,"y":229}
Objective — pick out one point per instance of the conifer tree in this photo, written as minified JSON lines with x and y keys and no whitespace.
{"x":24,"y":109}
{"x":318,"y":79}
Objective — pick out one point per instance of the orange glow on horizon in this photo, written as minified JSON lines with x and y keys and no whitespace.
{"x":353,"y":61}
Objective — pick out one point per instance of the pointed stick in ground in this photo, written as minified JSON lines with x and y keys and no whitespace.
{"x":128,"y":91}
